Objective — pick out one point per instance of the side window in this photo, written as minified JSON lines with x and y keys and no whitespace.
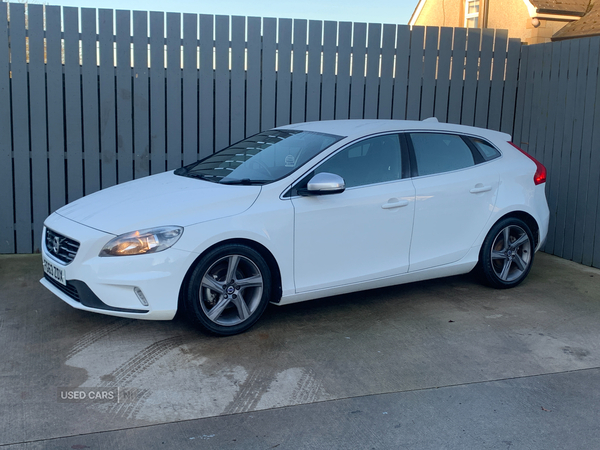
{"x":437,"y":153}
{"x":487,"y":151}
{"x":371,"y":161}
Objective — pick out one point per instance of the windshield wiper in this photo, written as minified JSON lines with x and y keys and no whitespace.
{"x":244,"y":181}
{"x":200,"y":176}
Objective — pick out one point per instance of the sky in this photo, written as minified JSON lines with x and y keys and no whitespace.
{"x":380,"y":11}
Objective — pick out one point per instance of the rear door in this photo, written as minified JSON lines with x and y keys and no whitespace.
{"x":456,"y":188}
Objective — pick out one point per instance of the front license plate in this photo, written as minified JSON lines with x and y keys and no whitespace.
{"x":54,"y":272}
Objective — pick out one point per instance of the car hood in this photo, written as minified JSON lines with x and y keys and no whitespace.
{"x":158,"y":200}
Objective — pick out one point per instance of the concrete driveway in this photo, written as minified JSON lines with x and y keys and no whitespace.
{"x":440,"y":364}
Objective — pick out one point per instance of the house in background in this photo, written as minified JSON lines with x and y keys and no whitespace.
{"x":533,"y":21}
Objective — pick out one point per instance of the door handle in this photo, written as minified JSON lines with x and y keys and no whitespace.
{"x":394,"y":203}
{"x":479,"y":188}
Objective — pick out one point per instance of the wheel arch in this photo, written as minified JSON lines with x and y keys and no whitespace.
{"x":518,"y":214}
{"x":264,"y":252}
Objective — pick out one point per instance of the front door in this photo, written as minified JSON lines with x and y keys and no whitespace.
{"x":363,"y":233}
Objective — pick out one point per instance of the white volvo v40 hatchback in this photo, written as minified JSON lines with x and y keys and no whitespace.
{"x":301,"y":212}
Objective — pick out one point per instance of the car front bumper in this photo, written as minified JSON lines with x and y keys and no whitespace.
{"x":107,"y":285}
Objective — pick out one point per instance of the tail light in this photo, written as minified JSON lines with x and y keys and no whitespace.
{"x":540,"y":172}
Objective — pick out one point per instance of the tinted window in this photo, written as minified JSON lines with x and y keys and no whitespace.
{"x":487,"y":151}
{"x":436,"y":153}
{"x":373,"y":160}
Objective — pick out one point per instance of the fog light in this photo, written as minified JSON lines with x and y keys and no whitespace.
{"x":140,"y":296}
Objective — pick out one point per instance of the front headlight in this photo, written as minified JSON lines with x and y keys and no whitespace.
{"x":151,"y":240}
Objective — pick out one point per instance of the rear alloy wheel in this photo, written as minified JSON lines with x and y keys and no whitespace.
{"x":228,"y":290}
{"x":507,"y":253}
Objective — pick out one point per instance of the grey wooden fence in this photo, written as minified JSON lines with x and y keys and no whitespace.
{"x":558,"y":121}
{"x":90,"y":98}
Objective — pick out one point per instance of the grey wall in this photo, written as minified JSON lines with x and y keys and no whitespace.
{"x":90,"y":98}
{"x":558,"y":121}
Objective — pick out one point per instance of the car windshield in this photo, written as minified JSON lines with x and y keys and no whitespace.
{"x":262,"y":158}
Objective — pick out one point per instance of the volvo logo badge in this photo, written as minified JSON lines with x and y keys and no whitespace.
{"x":56,"y":244}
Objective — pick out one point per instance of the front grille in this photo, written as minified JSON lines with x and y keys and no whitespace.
{"x":69,"y":289}
{"x":61,"y":247}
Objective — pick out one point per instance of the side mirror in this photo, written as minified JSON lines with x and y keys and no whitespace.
{"x":324,"y":183}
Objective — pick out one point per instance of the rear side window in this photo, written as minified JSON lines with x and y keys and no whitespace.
{"x":487,"y":151}
{"x":438,"y":152}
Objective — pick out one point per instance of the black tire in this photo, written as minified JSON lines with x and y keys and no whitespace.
{"x":507,"y":253}
{"x":228,"y":290}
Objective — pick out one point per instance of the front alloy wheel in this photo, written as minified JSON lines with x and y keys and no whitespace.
{"x":507,"y":253}
{"x":229,"y":289}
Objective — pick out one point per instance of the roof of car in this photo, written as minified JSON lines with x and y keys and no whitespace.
{"x":355,"y":128}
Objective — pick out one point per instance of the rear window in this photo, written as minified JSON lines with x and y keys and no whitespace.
{"x":438,"y":153}
{"x":486,"y":149}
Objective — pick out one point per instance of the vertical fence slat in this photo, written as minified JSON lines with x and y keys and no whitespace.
{"x":56,"y":111}
{"x":539,"y":148}
{"x":580,"y":240}
{"x":124,"y":105}
{"x":313,"y":76}
{"x":457,"y":76}
{"x":238,"y":78}
{"x":221,"y":82}
{"x":384,"y":110}
{"x":89,"y":100}
{"x":591,"y":156}
{"x":206,"y":87}
{"x":108,"y":147}
{"x":401,"y":72}
{"x":442,"y":89}
{"x":141,"y":99}
{"x":372,"y":79}
{"x":482,"y":102}
{"x":357,"y":81}
{"x":499,"y":65}
{"x":540,"y":103}
{"x":429,"y":71}
{"x":7,"y":235}
{"x":268,"y":74}
{"x":521,"y":93}
{"x":592,"y":223}
{"x":342,"y":86}
{"x":328,"y":82}
{"x":157,"y":93}
{"x":173,"y":90}
{"x":415,"y":73}
{"x":550,"y":149}
{"x":190,"y":87}
{"x":510,"y":85}
{"x":572,"y":49}
{"x":37,"y":115}
{"x":73,"y":106}
{"x":20,"y":129}
{"x":532,"y":85}
{"x":575,"y":178}
{"x":542,"y":113}
{"x":284,"y":71}
{"x":471,"y":66}
{"x":253,"y":77}
{"x":561,"y":68}
{"x":299,"y":71}
{"x":562,"y":218}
